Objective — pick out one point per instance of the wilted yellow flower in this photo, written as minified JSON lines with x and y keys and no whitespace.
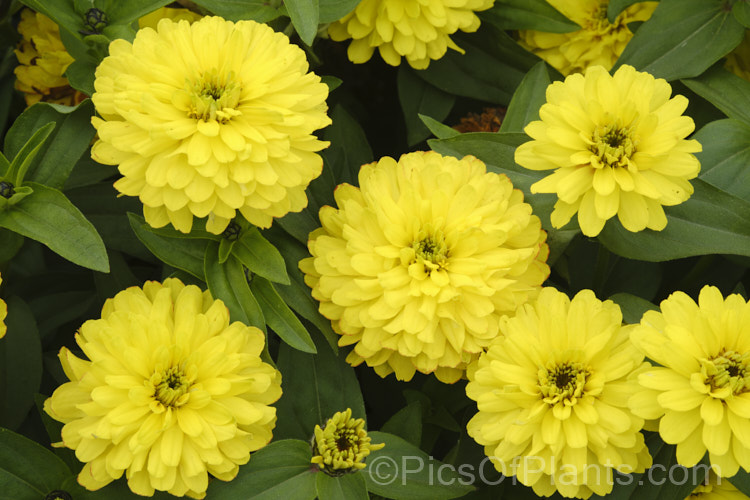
{"x":617,"y":147}
{"x":3,"y":315}
{"x":343,"y":445}
{"x":701,"y":391}
{"x":552,"y":394}
{"x":597,"y":43}
{"x":716,"y":488}
{"x":418,"y":264}
{"x":170,"y":392}
{"x":210,"y":118}
{"x":417,"y":30}
{"x":43,"y":61}
{"x":738,"y":61}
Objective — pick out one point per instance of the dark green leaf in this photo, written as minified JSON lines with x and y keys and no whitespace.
{"x":682,"y":39}
{"x":225,"y":249}
{"x":10,"y":244}
{"x":615,"y":7}
{"x":332,"y":82}
{"x":529,"y":97}
{"x":25,"y":157}
{"x":741,"y":12}
{"x":27,"y":470}
{"x":315,"y":387}
{"x":490,"y":70}
{"x":725,"y":90}
{"x":304,"y":15}
{"x":53,"y":428}
{"x":402,"y":471}
{"x":80,"y":74}
{"x":726,"y":156}
{"x":21,"y":366}
{"x":406,"y":423}
{"x":346,"y":487}
{"x":419,"y":97}
{"x":260,"y":256}
{"x":55,"y":309}
{"x":333,"y":10}
{"x":718,"y":217}
{"x":299,"y":224}
{"x":741,"y":481}
{"x":439,"y":130}
{"x":50,"y":218}
{"x":632,"y":306}
{"x":528,"y":15}
{"x":117,"y":490}
{"x":227,"y":282}
{"x":281,"y":470}
{"x":120,"y":12}
{"x":349,"y":148}
{"x":279,"y":317}
{"x":182,"y":253}
{"x":237,"y":10}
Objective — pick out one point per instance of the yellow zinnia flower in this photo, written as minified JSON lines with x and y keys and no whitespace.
{"x":552,"y":394}
{"x":43,"y":61}
{"x":716,"y":488}
{"x":210,"y":118}
{"x":616,"y":145}
{"x":738,"y":61}
{"x":597,"y":43}
{"x":343,"y":445}
{"x":418,"y":264}
{"x":3,"y":315}
{"x":417,"y":30}
{"x":151,"y":20}
{"x":701,"y":391}
{"x":170,"y":392}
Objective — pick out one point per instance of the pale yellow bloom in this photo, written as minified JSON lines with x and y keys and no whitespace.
{"x":617,"y":147}
{"x":42,"y":62}
{"x":343,"y":445}
{"x":597,"y":43}
{"x":716,"y":488}
{"x":170,"y":393}
{"x":701,"y":391}
{"x":151,"y":20}
{"x":208,"y":119}
{"x":738,"y":61}
{"x":552,"y":393}
{"x":415,"y":29}
{"x":3,"y":315}
{"x":417,"y":265}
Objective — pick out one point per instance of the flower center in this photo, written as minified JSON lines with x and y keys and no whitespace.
{"x":599,"y":22}
{"x":726,"y":374}
{"x":430,"y":250}
{"x":171,"y":386}
{"x":564,"y":382}
{"x":214,"y":97}
{"x":613,"y":145}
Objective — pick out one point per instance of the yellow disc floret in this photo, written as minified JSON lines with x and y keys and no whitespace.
{"x":342,"y":446}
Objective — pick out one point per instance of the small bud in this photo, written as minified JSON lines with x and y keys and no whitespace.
{"x":232,"y":232}
{"x":94,"y":21}
{"x":7,"y":189}
{"x":343,"y":445}
{"x":58,"y":495}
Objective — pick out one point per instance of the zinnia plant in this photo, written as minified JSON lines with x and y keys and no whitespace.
{"x":419,"y":263}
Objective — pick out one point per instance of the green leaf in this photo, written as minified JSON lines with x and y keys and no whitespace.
{"x":80,"y":73}
{"x":228,"y":282}
{"x":315,"y":387}
{"x":10,"y":244}
{"x":529,"y":97}
{"x":419,"y":97}
{"x":682,"y":39}
{"x":237,"y":10}
{"x":725,"y":156}
{"x":632,"y":307}
{"x":402,"y":471}
{"x":528,"y":15}
{"x":725,"y":90}
{"x":225,"y":249}
{"x":297,"y":294}
{"x":304,"y":15}
{"x":299,"y":224}
{"x":57,"y":308}
{"x":53,"y":428}
{"x":28,"y":471}
{"x":182,"y":253}
{"x":615,"y":7}
{"x":21,"y":366}
{"x":332,"y":82}
{"x":439,"y":130}
{"x":711,"y":221}
{"x":64,"y":14}
{"x":346,"y":487}
{"x":49,"y":217}
{"x":120,"y":12}
{"x":741,"y":12}
{"x":279,"y":317}
{"x":260,"y":256}
{"x":490,"y":70}
{"x":66,"y":143}
{"x":406,"y":423}
{"x":741,"y":481}
{"x":333,"y":10}
{"x":281,"y":470}
{"x":25,"y":157}
{"x":349,"y":148}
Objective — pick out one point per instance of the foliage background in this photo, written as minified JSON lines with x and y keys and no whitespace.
{"x":68,"y":242}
